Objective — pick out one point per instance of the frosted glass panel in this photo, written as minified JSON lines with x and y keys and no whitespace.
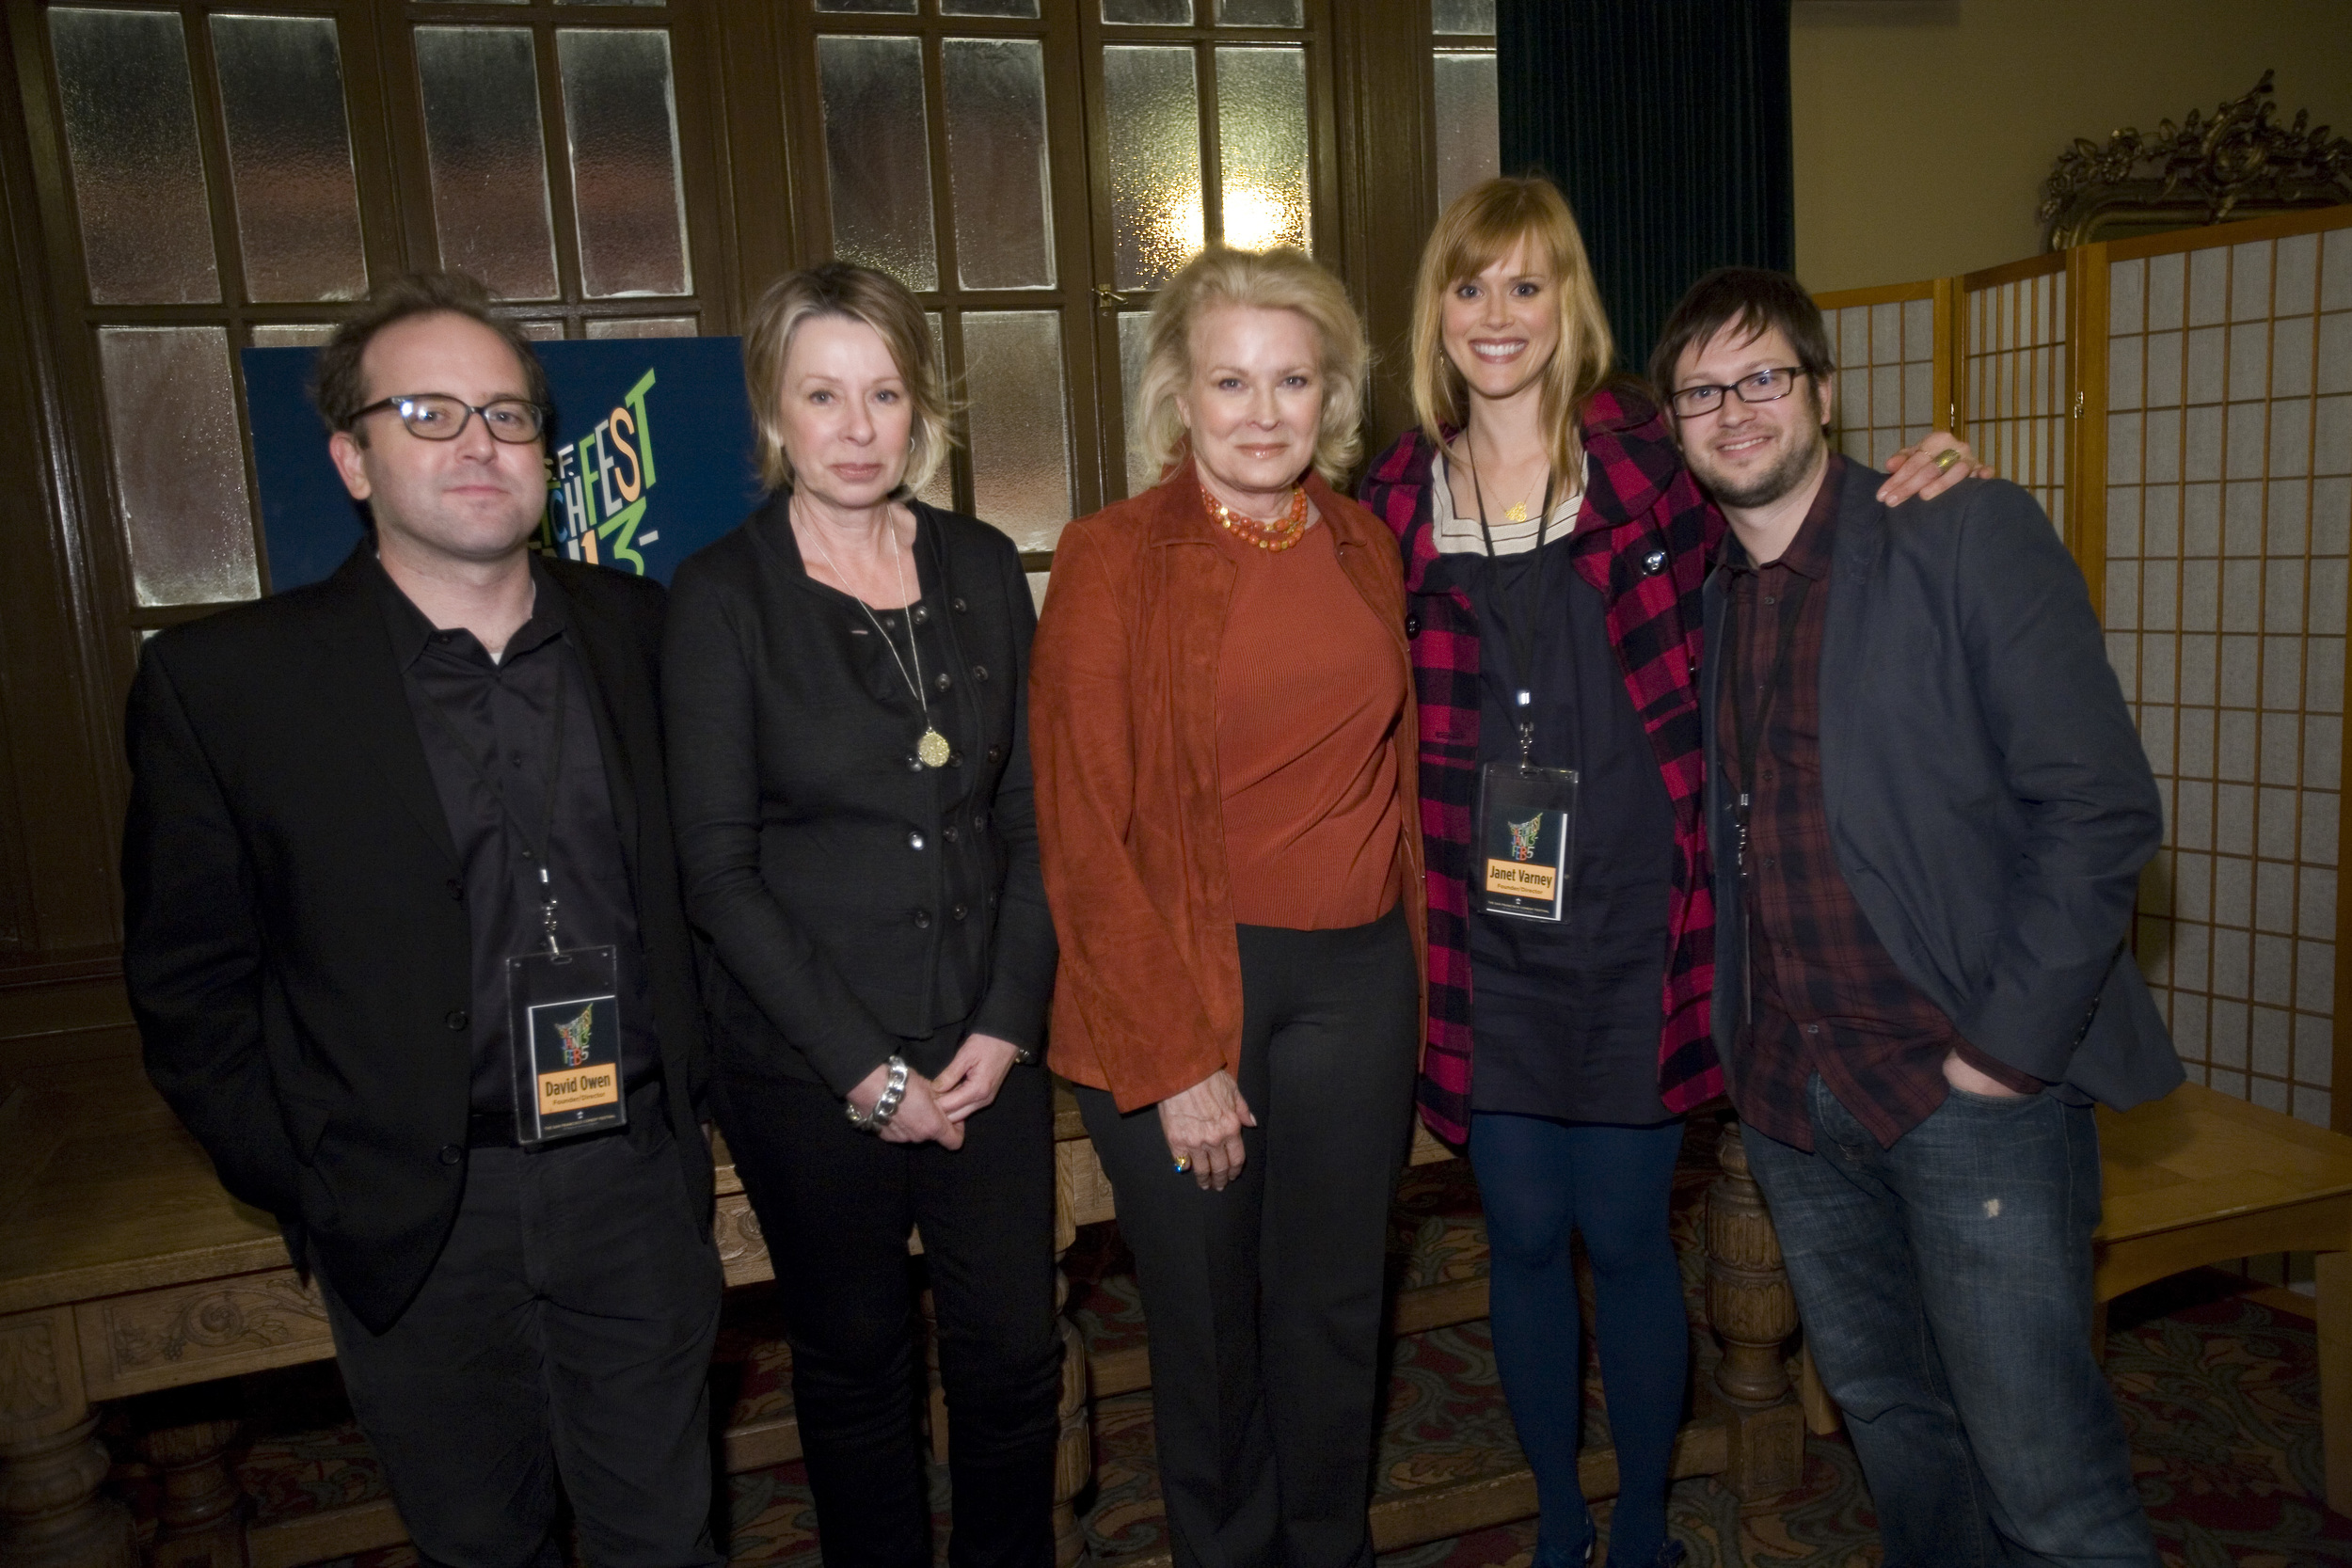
{"x":1020,"y":448}
{"x":1133,"y":329}
{"x":172,"y":420}
{"x":620,"y":113}
{"x":130,"y":137}
{"x":1262,"y":14}
{"x":281,"y":98}
{"x":1152,"y":97}
{"x":1261,"y":138}
{"x":997,"y":162}
{"x":487,"y":158}
{"x":1164,"y":12}
{"x":642,"y":326}
{"x":878,"y":155}
{"x":1469,"y":134}
{"x":293,"y":334}
{"x":870,"y":7}
{"x":988,"y":8}
{"x":1463,"y":16}
{"x":542,"y":332}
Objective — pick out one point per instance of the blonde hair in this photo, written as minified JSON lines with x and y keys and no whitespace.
{"x":1472,"y":234}
{"x":1283,"y":279}
{"x":856,"y":293}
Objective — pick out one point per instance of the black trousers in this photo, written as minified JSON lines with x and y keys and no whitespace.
{"x":836,"y":1206}
{"x":566,"y":1331}
{"x":1265,"y":1299}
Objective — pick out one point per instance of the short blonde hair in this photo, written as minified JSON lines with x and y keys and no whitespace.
{"x":1472,"y":234}
{"x":1282,"y":279}
{"x":854,"y":293}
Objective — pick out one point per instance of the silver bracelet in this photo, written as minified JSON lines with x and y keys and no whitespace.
{"x":886,"y":1103}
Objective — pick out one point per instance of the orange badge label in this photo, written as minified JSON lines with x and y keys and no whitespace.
{"x":1520,"y":882}
{"x":579,"y":1089}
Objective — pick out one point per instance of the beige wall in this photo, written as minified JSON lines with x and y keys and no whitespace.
{"x":1923,"y":128}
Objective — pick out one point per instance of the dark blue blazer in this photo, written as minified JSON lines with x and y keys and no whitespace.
{"x":1989,"y":800}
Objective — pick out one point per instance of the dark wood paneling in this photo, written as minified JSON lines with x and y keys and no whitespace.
{"x":1387,"y":172}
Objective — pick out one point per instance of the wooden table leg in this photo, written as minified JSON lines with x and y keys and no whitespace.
{"x":2334,"y":1272}
{"x":204,"y":1511}
{"x":52,"y":1513}
{"x":1753,"y":1313}
{"x":1074,"y":1451}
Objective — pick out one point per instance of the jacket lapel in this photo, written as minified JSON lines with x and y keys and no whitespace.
{"x":1853,"y":562}
{"x":370,"y":710}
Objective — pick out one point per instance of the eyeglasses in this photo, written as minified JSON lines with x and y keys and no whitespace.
{"x":438,"y":417}
{"x":1771,"y":386}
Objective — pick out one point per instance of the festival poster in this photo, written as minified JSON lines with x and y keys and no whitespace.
{"x":649,"y":456}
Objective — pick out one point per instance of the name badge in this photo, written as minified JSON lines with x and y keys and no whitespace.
{"x":565,"y":1018}
{"x":1526,"y":839}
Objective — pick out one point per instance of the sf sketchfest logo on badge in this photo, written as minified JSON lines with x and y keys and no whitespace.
{"x":598,"y":484}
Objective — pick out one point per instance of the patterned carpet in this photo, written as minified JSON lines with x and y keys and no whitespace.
{"x":2220,"y":1391}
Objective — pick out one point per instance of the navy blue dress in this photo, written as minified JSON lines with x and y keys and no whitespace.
{"x":1567,"y":1015}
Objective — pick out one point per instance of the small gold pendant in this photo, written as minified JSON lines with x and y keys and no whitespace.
{"x":1517,"y":514}
{"x":932,"y":748}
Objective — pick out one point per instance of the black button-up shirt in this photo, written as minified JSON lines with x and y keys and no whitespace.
{"x":487,"y":726}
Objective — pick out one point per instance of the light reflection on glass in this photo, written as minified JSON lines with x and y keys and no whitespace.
{"x":1261,"y":138}
{"x":1152,"y":97}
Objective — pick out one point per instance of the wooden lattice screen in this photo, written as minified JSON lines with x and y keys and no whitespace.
{"x":2182,"y":406}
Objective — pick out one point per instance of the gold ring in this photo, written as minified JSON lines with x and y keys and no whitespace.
{"x":1946,"y":459}
{"x":1183,"y":1165}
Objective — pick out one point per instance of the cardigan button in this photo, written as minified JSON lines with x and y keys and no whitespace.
{"x":961,"y":608}
{"x":914,"y":764}
{"x":914,"y":841}
{"x":922,"y":920}
{"x":949,"y":832}
{"x":979,"y":671}
{"x":457,"y":1019}
{"x":941,"y":682}
{"x":958,"y":911}
{"x":996,"y":753}
{"x":451,"y":1154}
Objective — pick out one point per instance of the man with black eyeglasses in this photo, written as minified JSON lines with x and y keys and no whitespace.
{"x":404,"y":942}
{"x":1928,"y":809}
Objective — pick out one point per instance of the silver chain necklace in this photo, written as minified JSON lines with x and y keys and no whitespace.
{"x":933,"y":747}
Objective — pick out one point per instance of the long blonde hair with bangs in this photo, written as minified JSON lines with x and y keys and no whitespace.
{"x":1472,"y":234}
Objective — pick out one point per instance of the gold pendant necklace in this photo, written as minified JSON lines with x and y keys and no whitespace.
{"x":1517,"y":511}
{"x":931,"y":747}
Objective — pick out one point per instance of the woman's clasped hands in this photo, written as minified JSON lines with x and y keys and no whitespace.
{"x":934,"y":1109}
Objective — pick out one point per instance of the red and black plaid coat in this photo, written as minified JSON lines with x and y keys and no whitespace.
{"x":1660,"y":539}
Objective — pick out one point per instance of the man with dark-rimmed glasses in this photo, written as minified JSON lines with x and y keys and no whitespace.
{"x":405,"y":946}
{"x":1928,"y":808}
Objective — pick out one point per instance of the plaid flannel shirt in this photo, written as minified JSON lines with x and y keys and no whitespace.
{"x":1658,"y":536}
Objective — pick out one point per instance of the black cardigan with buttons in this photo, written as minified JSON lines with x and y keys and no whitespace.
{"x":857,"y":903}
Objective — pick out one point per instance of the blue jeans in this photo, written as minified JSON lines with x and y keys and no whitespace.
{"x":1944,"y":1285}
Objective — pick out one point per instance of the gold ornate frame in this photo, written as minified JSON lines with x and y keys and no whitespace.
{"x":2240,"y":163}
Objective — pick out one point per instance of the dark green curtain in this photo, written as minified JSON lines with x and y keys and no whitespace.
{"x":1666,"y":124}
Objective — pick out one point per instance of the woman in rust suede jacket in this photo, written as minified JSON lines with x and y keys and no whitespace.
{"x":1222,"y":728}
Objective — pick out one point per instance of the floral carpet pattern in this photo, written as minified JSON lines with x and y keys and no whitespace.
{"x":2219,"y":1393}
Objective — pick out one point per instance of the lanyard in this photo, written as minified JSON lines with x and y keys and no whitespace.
{"x":1748,"y":728}
{"x":1521,"y":638}
{"x":541,"y":852}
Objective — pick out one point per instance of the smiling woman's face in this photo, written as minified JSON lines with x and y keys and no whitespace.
{"x":1502,"y":327}
{"x":1254,"y":404}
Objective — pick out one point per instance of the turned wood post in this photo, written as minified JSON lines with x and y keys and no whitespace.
{"x":1074,"y":1451}
{"x":204,"y":1509}
{"x":1750,"y":1307}
{"x":52,"y":1465}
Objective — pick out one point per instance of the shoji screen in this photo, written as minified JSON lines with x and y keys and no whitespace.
{"x":1894,"y":375}
{"x":2014,"y":374}
{"x":2228,"y":520}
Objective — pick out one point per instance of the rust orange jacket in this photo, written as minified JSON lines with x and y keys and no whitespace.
{"x":1122,"y":715}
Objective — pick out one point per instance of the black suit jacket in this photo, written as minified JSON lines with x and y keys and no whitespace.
{"x":1989,"y":800}
{"x":798,"y":818}
{"x":298,"y":955}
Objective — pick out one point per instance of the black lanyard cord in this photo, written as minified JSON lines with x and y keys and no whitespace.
{"x":1521,"y":638}
{"x":1750,"y":725}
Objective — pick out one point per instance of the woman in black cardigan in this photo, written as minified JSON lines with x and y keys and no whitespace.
{"x":846,"y":687}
